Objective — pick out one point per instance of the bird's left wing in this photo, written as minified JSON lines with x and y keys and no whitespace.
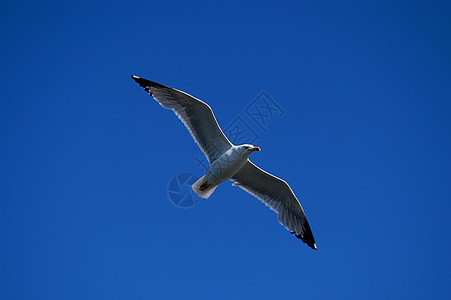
{"x":195,"y":114}
{"x":277,"y":195}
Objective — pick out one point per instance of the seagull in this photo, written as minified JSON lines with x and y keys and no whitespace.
{"x":230,"y":162}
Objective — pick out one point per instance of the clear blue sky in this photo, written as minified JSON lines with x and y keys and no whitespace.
{"x":87,"y":155}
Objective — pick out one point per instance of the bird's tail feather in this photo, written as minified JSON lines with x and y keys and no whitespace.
{"x":203,"y":188}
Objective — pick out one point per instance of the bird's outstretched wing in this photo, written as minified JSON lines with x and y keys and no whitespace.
{"x":277,"y":195}
{"x":195,"y":114}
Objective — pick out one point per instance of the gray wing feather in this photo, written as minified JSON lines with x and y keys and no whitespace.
{"x":195,"y":114}
{"x":277,"y":195}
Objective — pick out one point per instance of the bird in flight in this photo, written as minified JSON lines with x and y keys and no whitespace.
{"x":230,"y":162}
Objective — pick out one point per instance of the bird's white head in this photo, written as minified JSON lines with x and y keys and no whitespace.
{"x":247,"y":149}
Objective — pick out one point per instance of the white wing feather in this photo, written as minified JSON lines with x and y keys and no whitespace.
{"x":276,"y":194}
{"x":195,"y":114}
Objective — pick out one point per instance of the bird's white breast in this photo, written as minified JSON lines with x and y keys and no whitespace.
{"x":227,"y":165}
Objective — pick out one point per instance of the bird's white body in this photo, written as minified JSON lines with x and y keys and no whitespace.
{"x":227,"y":165}
{"x":223,"y":168}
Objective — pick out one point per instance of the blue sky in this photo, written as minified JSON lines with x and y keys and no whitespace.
{"x":87,"y":155}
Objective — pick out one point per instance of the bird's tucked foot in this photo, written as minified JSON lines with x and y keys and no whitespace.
{"x":204,"y":186}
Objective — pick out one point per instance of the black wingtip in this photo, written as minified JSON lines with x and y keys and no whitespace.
{"x":139,"y":80}
{"x":147,"y":83}
{"x":307,"y":237}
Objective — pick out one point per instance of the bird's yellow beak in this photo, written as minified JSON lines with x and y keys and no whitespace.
{"x":256,"y":149}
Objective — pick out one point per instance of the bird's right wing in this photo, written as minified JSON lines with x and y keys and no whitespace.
{"x":276,"y":194}
{"x":195,"y":114}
